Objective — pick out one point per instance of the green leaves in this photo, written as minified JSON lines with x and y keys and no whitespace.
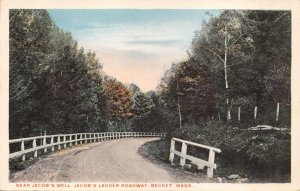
{"x":54,"y":85}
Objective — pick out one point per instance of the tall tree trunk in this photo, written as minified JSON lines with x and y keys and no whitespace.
{"x":178,"y":105}
{"x":225,"y":59}
{"x":225,"y":73}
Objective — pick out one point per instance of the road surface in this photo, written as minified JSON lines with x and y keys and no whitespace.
{"x":110,"y":161}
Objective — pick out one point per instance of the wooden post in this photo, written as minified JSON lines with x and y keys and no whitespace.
{"x":277,"y":111}
{"x":183,"y":153}
{"x":228,"y":111}
{"x":81,"y":137}
{"x":255,"y":112}
{"x":34,"y":146}
{"x":172,"y":148}
{"x":239,"y":114}
{"x":211,"y":159}
{"x":71,"y":138}
{"x":22,"y":149}
{"x":52,"y":141}
{"x":44,"y":144}
{"x":85,"y":138}
{"x":58,"y":140}
{"x":65,"y":144}
{"x":76,"y":137}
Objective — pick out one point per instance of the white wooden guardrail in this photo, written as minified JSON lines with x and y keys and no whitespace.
{"x":197,"y":161}
{"x":52,"y":142}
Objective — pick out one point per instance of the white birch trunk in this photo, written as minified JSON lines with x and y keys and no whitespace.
{"x":178,"y":105}
{"x":239,"y":114}
{"x":225,"y":59}
{"x":225,"y":73}
{"x":277,"y":111}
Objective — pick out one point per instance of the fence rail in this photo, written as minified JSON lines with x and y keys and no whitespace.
{"x":197,"y":161}
{"x":63,"y":140}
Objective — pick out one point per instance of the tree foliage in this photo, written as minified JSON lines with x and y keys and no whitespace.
{"x":237,"y":59}
{"x":119,"y":100}
{"x":54,"y":85}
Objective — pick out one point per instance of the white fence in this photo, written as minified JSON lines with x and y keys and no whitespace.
{"x":199,"y":162}
{"x":52,"y":142}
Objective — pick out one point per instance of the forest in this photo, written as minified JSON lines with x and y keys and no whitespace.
{"x":237,"y":76}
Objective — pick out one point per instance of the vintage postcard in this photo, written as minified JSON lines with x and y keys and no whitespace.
{"x":149,"y":95}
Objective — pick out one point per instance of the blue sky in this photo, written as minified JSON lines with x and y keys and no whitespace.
{"x":133,"y":45}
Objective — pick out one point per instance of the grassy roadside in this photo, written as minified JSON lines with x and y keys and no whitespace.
{"x":159,"y":150}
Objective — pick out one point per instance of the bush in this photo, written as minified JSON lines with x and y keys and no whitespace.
{"x":266,"y":152}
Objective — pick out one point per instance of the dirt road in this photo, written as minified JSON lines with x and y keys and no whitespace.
{"x":110,"y":161}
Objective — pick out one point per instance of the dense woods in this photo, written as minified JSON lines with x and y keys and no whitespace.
{"x":237,"y":75}
{"x":55,"y":86}
{"x":238,"y":59}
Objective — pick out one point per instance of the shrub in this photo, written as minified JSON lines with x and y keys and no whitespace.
{"x":266,"y":152}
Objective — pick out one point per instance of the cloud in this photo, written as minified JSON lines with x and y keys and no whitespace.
{"x":133,"y":45}
{"x":155,"y":42}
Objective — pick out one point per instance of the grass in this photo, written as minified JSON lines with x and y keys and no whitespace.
{"x":159,"y":150}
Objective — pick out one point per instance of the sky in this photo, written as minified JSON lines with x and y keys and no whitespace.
{"x":133,"y":45}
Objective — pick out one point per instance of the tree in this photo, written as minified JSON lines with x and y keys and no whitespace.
{"x":222,"y":40}
{"x":143,"y":108}
{"x":54,"y":85}
{"x":29,"y":53}
{"x":119,"y":101}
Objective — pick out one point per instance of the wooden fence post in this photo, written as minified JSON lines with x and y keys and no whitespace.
{"x":70,"y":139}
{"x":183,"y":153}
{"x":239,"y":114}
{"x":172,"y":148}
{"x":52,"y":141}
{"x":255,"y":112}
{"x":211,"y":159}
{"x":22,"y":149}
{"x":34,"y":146}
{"x":65,"y":144}
{"x":44,"y":144}
{"x":228,"y":111}
{"x":58,"y":140}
